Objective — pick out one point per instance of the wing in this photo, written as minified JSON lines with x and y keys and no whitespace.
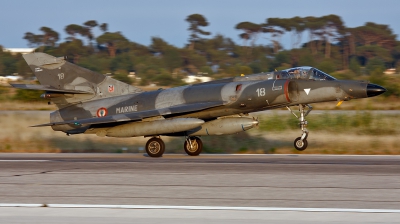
{"x":136,"y":116}
{"x":47,"y":88}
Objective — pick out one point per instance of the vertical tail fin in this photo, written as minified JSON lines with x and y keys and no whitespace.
{"x":57,"y":73}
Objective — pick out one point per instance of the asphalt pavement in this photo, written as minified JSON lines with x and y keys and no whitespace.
{"x":207,"y":188}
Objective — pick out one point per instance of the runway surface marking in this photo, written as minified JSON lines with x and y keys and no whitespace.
{"x":356,"y":210}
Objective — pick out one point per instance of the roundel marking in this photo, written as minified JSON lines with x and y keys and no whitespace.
{"x":101,"y":112}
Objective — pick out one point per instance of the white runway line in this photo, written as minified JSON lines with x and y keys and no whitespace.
{"x":351,"y":210}
{"x":20,"y":205}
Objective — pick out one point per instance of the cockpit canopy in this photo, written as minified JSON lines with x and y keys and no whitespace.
{"x":304,"y":72}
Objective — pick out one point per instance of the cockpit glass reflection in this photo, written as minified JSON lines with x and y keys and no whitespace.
{"x":305,"y":73}
{"x":319,"y":75}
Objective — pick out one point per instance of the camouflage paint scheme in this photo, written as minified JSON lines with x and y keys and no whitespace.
{"x":92,"y":103}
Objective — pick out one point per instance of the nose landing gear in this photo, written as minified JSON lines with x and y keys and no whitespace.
{"x":301,"y":143}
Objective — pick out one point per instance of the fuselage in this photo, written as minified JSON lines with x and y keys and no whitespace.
{"x":239,"y":96}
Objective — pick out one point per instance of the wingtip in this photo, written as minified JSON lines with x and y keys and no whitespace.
{"x":42,"y":125}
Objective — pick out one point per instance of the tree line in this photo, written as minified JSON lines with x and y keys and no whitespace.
{"x":323,"y":42}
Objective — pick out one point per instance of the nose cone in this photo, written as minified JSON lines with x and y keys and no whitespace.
{"x":374,"y":90}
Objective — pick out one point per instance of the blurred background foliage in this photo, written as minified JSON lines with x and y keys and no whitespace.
{"x":341,"y":132}
{"x":28,"y":95}
{"x":359,"y":53}
{"x":364,"y":122}
{"x":363,"y":52}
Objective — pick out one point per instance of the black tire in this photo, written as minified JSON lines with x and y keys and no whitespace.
{"x":299,"y":144}
{"x":197,"y":146}
{"x":155,"y":147}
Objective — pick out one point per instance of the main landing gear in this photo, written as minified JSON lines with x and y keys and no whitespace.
{"x":301,"y":143}
{"x":193,"y":146}
{"x":155,"y":147}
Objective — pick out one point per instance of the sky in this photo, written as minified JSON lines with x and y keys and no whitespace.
{"x":139,"y":20}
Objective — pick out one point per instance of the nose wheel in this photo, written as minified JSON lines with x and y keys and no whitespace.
{"x":301,"y":143}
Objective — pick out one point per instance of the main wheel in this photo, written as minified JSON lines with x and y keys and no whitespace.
{"x":155,"y":147}
{"x":300,"y":144}
{"x":194,"y":147}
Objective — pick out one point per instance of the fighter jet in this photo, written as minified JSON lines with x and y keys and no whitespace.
{"x":91,"y":103}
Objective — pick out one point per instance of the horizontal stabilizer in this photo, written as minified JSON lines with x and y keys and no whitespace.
{"x":136,"y":116}
{"x":49,"y":88}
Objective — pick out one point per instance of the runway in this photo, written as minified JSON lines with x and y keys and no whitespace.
{"x":262,"y":181}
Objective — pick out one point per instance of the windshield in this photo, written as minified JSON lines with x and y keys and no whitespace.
{"x":305,"y":73}
{"x":320,"y":75}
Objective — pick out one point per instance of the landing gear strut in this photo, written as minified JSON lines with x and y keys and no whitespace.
{"x":301,"y":143}
{"x":155,"y":147}
{"x":193,"y":146}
